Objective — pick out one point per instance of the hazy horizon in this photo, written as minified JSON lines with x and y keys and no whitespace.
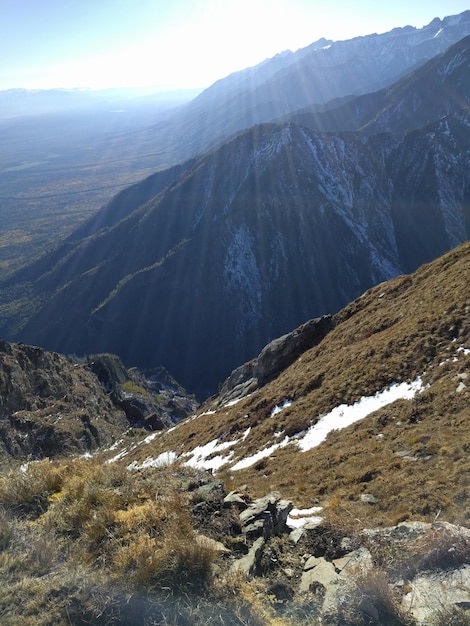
{"x":185,"y":44}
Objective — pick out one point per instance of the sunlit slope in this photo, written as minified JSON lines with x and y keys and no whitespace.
{"x":392,"y":376}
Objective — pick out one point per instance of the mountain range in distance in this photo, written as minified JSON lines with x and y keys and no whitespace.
{"x":58,"y":169}
{"x":200,"y":265}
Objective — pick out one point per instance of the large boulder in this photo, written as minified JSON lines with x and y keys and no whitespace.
{"x":275,"y":357}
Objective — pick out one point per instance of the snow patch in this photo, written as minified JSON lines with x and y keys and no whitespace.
{"x":162,"y":460}
{"x":199,"y":457}
{"x":149,"y":439}
{"x":345,"y":415}
{"x":261,"y":454}
{"x":118,"y":456}
{"x":299,"y":517}
{"x":280,"y":407}
{"x":232,"y":402}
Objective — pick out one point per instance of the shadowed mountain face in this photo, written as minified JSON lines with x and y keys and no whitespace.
{"x":279,"y":225}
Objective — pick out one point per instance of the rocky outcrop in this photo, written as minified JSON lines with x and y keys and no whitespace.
{"x":51,"y":405}
{"x":414,"y":573}
{"x":265,"y":516}
{"x":152,"y":399}
{"x":274,"y":358}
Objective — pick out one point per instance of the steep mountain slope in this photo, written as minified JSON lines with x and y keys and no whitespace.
{"x":438,"y":88}
{"x":57,"y":170}
{"x":313,"y":75}
{"x":278,"y":225}
{"x":390,"y":373}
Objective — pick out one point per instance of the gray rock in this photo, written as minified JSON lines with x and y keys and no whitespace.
{"x":265,"y":516}
{"x":311,"y":562}
{"x":296,"y":534}
{"x":273,"y":359}
{"x":434,"y":593}
{"x":249,"y":563}
{"x":258,"y":507}
{"x":283,"y":508}
{"x":262,"y":526}
{"x":283,"y":351}
{"x":236,"y":498}
{"x":322,"y":573}
{"x":368,"y":498}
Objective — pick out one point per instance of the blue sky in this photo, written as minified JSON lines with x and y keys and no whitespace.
{"x":171,"y":44}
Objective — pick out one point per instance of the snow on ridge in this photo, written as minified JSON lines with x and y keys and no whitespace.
{"x":338,"y":418}
{"x":209,"y":457}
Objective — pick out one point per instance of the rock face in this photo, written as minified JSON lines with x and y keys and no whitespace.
{"x":52,"y":405}
{"x":151,"y":399}
{"x":273,"y":359}
{"x":266,"y":516}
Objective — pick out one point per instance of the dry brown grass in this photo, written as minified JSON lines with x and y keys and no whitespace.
{"x":373,"y":601}
{"x":104,"y":545}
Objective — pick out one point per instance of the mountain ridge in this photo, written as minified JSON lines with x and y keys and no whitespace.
{"x":409,"y":103}
{"x":313,"y":75}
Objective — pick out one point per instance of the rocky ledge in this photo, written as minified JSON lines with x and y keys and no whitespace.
{"x":414,"y":573}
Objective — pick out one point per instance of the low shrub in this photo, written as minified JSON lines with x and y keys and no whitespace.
{"x":27,"y":491}
{"x":6,"y":530}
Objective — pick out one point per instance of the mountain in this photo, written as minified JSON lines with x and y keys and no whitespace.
{"x":58,"y":169}
{"x":207,"y":263}
{"x":371,"y":400}
{"x":438,"y":88}
{"x":314,"y":75}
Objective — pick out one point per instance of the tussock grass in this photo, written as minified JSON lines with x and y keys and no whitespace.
{"x":440,"y":548}
{"x":373,"y":601}
{"x":83,"y":542}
